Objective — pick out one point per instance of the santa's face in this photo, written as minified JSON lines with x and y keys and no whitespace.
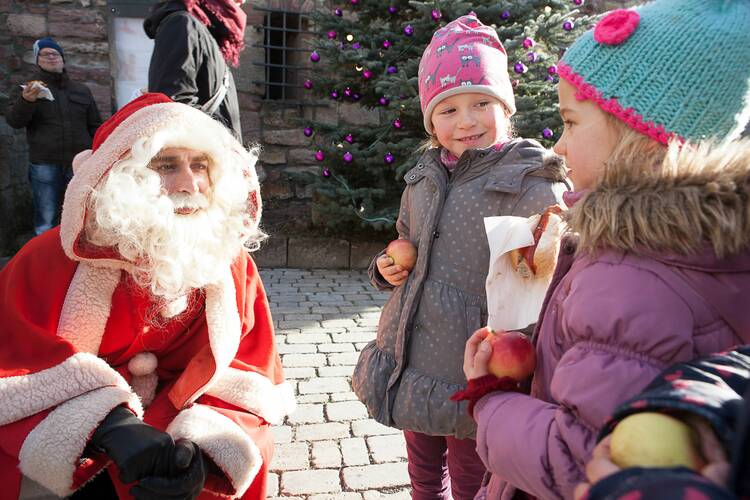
{"x":184,"y":177}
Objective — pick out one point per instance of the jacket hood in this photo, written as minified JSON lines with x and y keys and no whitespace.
{"x":158,"y":13}
{"x":692,"y":212}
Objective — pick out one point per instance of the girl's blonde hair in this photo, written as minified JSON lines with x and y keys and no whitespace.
{"x":632,"y":151}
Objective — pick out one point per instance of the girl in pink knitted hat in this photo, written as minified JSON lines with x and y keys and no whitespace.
{"x":473,"y":169}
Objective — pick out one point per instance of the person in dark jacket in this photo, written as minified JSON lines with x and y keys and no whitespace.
{"x":56,"y":130}
{"x":711,"y":394}
{"x":194,"y":41}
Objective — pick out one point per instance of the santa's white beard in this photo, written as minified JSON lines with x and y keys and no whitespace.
{"x":171,"y":253}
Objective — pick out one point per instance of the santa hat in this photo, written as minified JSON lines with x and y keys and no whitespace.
{"x":178,"y":125}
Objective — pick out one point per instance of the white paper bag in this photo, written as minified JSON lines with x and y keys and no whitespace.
{"x":513,"y":302}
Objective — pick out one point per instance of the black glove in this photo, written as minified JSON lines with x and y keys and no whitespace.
{"x":138,"y":449}
{"x":187,"y":485}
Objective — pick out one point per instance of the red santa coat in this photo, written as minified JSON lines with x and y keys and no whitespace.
{"x":78,"y":340}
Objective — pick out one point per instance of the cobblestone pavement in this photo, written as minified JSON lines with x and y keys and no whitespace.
{"x":329,"y":448}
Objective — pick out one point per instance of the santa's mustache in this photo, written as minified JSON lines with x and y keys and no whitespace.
{"x":194,"y":201}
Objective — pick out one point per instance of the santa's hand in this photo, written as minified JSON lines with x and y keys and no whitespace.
{"x":392,"y":273}
{"x":477,"y":354}
{"x":138,"y":449}
{"x":186,"y":485}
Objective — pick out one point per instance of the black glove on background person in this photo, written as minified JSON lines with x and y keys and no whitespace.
{"x":187,"y":485}
{"x":138,"y":449}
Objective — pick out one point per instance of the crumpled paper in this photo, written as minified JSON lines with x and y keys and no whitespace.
{"x":45,"y":93}
{"x":513,"y":302}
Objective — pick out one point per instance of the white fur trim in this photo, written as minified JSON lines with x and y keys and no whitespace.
{"x":50,"y":453}
{"x":143,"y":363}
{"x":224,"y":327}
{"x":177,"y":306}
{"x":255,"y":393}
{"x":223,"y":441}
{"x":25,"y":395}
{"x":87,"y":307}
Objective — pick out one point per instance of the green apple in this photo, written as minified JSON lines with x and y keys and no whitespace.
{"x":651,"y":439}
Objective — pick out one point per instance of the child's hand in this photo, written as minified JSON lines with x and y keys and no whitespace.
{"x":476,"y":355}
{"x":392,"y":273}
{"x":599,"y":467}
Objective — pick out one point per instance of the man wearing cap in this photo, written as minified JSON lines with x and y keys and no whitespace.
{"x":137,"y":335}
{"x":56,"y":130}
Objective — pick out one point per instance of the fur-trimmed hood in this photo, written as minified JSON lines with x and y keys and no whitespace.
{"x":694,"y":211}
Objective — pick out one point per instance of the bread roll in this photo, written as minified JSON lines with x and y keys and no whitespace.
{"x":539,"y":260}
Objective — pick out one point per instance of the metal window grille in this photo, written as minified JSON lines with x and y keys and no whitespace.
{"x":286,"y":43}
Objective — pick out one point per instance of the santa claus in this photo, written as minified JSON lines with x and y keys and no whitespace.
{"x":138,"y":344}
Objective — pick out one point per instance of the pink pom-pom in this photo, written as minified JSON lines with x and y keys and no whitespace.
{"x":142,"y":364}
{"x":616,"y":27}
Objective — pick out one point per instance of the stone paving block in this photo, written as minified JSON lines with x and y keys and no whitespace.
{"x":307,"y":414}
{"x":367,"y":321}
{"x":326,"y":455}
{"x":345,"y":410}
{"x":299,"y":373}
{"x":338,"y":315}
{"x":390,"y":448}
{"x":324,"y":384}
{"x":360,"y":309}
{"x":321,"y":432}
{"x":287,"y":308}
{"x":289,"y":297}
{"x":333,"y":323}
{"x":312,"y":398}
{"x":297,"y":348}
{"x":282,"y":434}
{"x":354,"y":451}
{"x":298,"y":316}
{"x":342,"y":358}
{"x":343,"y":396}
{"x":295,"y":360}
{"x":308,"y":338}
{"x":371,"y":428}
{"x":335,"y":347}
{"x":404,"y":494}
{"x":290,"y":456}
{"x":281,"y":324}
{"x":355,"y":336}
{"x":334,"y":371}
{"x":344,"y":495}
{"x":272,"y":484}
{"x":325,"y":309}
{"x":375,"y":476}
{"x":287,"y":331}
{"x":309,"y":482}
{"x":360,"y":345}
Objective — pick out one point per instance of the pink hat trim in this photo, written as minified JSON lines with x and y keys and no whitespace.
{"x":612,"y":106}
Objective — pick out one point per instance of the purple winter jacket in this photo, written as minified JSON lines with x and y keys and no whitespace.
{"x":614,"y":318}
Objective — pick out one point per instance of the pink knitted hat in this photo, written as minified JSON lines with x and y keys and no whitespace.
{"x":463,"y":56}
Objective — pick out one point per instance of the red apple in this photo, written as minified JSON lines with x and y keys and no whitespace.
{"x":403,"y":253}
{"x":513,"y":355}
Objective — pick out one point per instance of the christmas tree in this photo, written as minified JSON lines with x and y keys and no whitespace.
{"x":368,"y":53}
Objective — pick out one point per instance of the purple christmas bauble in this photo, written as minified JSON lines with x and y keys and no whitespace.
{"x":578,"y":2}
{"x":549,"y":78}
{"x":528,"y":43}
{"x":391,"y":69}
{"x":348,"y":157}
{"x":505,"y":14}
{"x":436,"y":15}
{"x":520,"y":68}
{"x":392,"y":9}
{"x":408,"y":30}
{"x":354,"y":2}
{"x":319,"y":155}
{"x":326,"y":173}
{"x":307,"y":131}
{"x":356,"y":45}
{"x":552,"y":70}
{"x":367,"y":74}
{"x":307,"y":84}
{"x":314,"y":57}
{"x":388,"y":158}
{"x":568,"y":25}
{"x":356,"y":96}
{"x":348,"y":92}
{"x":532,"y":57}
{"x":331,"y":35}
{"x":334,"y":94}
{"x":547,"y":133}
{"x":348,"y":138}
{"x":397,"y":123}
{"x":384,"y":101}
{"x":338,"y":12}
{"x":387,"y":44}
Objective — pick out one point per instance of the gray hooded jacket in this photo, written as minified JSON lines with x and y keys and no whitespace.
{"x":406,"y":376}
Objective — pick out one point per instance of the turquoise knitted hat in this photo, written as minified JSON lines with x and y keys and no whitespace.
{"x":671,"y":68}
